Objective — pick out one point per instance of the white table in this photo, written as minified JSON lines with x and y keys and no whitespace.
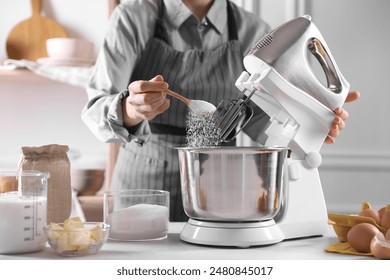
{"x":172,"y":248}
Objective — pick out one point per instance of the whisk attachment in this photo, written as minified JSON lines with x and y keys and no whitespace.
{"x":232,"y":114}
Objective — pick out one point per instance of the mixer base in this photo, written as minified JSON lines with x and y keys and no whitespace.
{"x":236,"y":234}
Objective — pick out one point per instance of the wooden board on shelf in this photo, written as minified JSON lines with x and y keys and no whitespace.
{"x":27,"y":40}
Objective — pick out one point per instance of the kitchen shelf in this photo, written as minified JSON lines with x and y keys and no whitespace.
{"x":22,"y":76}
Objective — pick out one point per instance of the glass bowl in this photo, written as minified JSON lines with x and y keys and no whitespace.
{"x":85,"y":239}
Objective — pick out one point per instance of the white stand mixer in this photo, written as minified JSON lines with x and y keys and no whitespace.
{"x":281,"y":82}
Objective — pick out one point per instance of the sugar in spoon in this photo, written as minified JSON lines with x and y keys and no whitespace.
{"x":199,"y":107}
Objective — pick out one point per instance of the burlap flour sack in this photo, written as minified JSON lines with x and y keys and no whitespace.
{"x":52,"y":159}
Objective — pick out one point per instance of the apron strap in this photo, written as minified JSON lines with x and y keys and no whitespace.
{"x":233,"y":33}
{"x":159,"y":30}
{"x":159,"y":128}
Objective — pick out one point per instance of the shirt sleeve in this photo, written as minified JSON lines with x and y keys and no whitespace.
{"x":126,"y":37}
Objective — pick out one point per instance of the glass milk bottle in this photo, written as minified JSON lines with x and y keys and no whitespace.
{"x":23,"y":212}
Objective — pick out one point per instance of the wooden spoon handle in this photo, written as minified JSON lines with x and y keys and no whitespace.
{"x":178,"y":96}
{"x":36,"y":7}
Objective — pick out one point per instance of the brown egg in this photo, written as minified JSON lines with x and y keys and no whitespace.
{"x":385,"y":220}
{"x":380,"y":247}
{"x":8,"y":184}
{"x":367,"y":211}
{"x":381,"y":211}
{"x":360,"y":236}
{"x":387,"y":235}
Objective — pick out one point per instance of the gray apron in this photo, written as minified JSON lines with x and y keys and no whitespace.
{"x":202,"y":75}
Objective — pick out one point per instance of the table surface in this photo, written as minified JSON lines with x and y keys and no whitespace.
{"x":173,"y":248}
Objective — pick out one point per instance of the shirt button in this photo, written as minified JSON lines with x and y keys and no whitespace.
{"x":202,"y":26}
{"x":139,"y":142}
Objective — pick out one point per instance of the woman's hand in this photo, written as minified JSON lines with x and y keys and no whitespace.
{"x":341,"y":116}
{"x":146,"y":100}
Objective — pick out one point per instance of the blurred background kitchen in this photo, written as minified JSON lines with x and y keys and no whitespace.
{"x":36,"y":111}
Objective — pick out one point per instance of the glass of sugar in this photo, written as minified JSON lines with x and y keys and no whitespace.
{"x":137,"y":214}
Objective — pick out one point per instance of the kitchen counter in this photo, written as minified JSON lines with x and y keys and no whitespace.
{"x":173,"y":248}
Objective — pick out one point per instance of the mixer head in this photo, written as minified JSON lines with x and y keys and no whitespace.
{"x":288,"y":49}
{"x":285,"y":51}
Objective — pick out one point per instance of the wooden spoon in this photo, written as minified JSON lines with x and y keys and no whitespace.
{"x":199,"y":107}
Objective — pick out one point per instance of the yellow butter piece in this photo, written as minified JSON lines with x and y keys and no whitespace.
{"x":74,"y":236}
{"x":97,"y":234}
{"x":73,"y":219}
{"x":79,"y":238}
{"x":73,"y":224}
{"x":64,"y":244}
{"x":56,"y":233}
{"x":54,"y":226}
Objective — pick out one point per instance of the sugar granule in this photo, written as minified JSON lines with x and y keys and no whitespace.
{"x":202,"y":130}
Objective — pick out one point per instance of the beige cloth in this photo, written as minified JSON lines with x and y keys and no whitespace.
{"x":77,"y":76}
{"x":54,"y":160}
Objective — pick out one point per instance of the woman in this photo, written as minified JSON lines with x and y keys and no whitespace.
{"x":194,"y":47}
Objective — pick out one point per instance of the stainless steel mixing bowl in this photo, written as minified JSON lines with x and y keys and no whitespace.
{"x":232,"y":183}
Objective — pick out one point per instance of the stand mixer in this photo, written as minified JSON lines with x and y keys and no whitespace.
{"x":281,"y":82}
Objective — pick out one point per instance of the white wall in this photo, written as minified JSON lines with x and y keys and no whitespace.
{"x":275,"y":12}
{"x":35,"y":112}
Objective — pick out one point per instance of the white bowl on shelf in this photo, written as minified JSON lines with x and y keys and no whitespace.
{"x":69,"y":49}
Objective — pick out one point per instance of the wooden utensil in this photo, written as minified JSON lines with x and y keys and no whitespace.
{"x":199,"y":107}
{"x":178,"y":96}
{"x":27,"y":40}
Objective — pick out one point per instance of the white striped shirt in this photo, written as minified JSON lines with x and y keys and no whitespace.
{"x":130,"y":28}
